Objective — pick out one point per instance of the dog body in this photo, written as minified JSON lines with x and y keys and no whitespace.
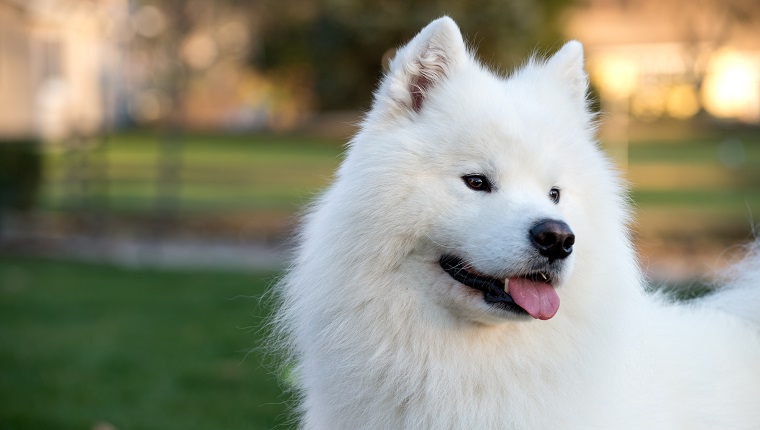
{"x":471,"y":267}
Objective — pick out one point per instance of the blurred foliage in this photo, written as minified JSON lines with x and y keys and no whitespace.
{"x":340,"y":45}
{"x":20,"y":174}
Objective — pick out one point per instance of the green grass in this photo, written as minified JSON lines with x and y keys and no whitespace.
{"x":702,"y":151}
{"x":140,"y":349}
{"x":267,"y":172}
{"x":273,"y":175}
{"x":214,"y":173}
{"x":704,"y":199}
{"x":735,"y":192}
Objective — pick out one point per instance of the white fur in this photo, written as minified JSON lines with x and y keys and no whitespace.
{"x":383,"y":338}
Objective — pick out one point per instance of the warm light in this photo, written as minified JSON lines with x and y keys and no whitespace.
{"x":682,"y":101}
{"x":731,"y":88}
{"x":199,"y":50}
{"x":615,"y":76}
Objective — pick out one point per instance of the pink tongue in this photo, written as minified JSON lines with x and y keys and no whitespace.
{"x":538,"y":298}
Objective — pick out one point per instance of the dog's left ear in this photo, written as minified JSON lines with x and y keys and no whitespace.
{"x":436,"y":52}
{"x":567,"y":65}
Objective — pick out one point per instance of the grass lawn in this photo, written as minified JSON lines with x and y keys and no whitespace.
{"x":201,"y":173}
{"x":254,"y":184}
{"x":269,"y":173}
{"x":140,"y":349}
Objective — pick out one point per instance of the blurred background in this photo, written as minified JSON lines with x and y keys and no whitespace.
{"x":155,"y":154}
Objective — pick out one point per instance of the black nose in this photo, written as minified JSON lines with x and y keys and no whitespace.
{"x":552,"y":238}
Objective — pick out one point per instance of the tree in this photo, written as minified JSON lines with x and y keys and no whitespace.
{"x":340,"y":44}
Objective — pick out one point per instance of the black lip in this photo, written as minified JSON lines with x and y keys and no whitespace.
{"x":492,"y":288}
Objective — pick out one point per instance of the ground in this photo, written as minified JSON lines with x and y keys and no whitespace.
{"x":83,"y":344}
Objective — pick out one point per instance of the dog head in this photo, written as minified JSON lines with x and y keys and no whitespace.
{"x":494,"y":185}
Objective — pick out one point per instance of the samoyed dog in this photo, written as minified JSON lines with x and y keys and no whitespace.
{"x":471,"y":268}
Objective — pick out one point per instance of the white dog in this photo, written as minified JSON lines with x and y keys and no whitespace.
{"x":471,"y":268}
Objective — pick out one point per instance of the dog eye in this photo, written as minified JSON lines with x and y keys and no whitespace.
{"x":554,"y":195}
{"x":477,"y":182}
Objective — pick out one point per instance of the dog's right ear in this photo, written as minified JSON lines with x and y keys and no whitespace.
{"x":428,"y":59}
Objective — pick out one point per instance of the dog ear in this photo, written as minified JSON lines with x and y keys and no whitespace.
{"x":567,"y":65}
{"x":428,"y":59}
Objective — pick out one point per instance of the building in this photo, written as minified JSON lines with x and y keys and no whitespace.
{"x":60,"y":67}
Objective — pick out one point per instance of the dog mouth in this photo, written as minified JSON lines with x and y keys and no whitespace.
{"x":529,"y":293}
